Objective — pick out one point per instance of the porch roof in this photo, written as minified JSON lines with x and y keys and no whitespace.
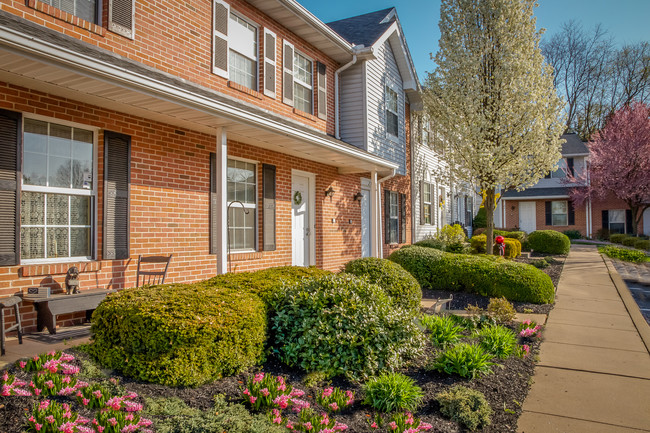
{"x":42,"y":59}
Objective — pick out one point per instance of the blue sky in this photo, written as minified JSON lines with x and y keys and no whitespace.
{"x":627,"y":21}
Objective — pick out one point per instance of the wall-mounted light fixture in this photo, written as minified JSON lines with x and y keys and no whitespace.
{"x":358,"y":196}
{"x":329,"y":192}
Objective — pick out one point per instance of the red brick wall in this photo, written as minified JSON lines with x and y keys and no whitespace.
{"x":175,"y":37}
{"x":170,"y":202}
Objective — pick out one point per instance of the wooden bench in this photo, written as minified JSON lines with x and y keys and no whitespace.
{"x":48,"y":308}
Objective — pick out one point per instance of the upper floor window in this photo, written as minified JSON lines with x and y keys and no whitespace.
{"x":84,"y":9}
{"x":303,"y":87}
{"x":564,"y":167}
{"x":392,"y":119}
{"x":243,"y":52}
{"x":58,"y":193}
{"x":242,"y":188}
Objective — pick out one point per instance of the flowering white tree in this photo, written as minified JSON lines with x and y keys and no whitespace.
{"x":492,"y":97}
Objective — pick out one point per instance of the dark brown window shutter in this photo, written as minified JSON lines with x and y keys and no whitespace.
{"x":220,"y":17}
{"x":549,"y":215}
{"x":121,"y":17}
{"x":322,"y":91}
{"x":268,"y":203}
{"x":117,"y":185}
{"x":269,"y":63}
{"x":572,"y":214}
{"x":214,"y":225}
{"x":10,"y":153}
{"x":387,"y":216}
{"x":422,"y":202}
{"x":628,"y":221}
{"x":287,"y":75}
{"x":402,"y":218}
{"x":605,"y":219}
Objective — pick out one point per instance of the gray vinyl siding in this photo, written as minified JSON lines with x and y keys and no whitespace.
{"x":352,"y":106}
{"x":379,"y":72}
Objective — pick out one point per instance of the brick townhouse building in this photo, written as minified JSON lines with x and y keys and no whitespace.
{"x":211,"y":130}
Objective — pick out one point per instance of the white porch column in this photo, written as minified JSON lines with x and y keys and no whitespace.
{"x":222,"y":200}
{"x":375,"y":216}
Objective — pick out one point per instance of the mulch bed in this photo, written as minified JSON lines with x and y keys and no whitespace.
{"x":505,"y":389}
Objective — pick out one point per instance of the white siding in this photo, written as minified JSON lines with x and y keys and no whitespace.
{"x":352,"y":106}
{"x":379,"y":72}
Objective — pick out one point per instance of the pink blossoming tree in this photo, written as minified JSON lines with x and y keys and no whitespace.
{"x":619,"y":162}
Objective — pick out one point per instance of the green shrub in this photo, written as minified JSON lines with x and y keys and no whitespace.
{"x":479,"y":231}
{"x":497,"y":340}
{"x":452,"y":234}
{"x":573,"y":234}
{"x":548,"y":241}
{"x":465,"y":406}
{"x":602,"y":234}
{"x":392,"y":392}
{"x":400,"y":286}
{"x":540,"y":263}
{"x":431,"y":243}
{"x":642,"y":244}
{"x":625,"y":254}
{"x":501,"y":310}
{"x":512,"y":234}
{"x":179,"y":334}
{"x":172,"y":415}
{"x":513,"y":246}
{"x":343,"y":325}
{"x":465,"y":360}
{"x":480,"y":220}
{"x":444,"y":330}
{"x":484,"y":275}
{"x":617,"y":238}
{"x":629,"y":241}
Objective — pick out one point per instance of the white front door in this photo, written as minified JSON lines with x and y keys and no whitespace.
{"x":527,"y":216}
{"x":301,"y":226}
{"x":365,"y":223}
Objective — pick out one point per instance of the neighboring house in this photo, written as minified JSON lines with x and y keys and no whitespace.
{"x":199,"y":128}
{"x":437,"y":201}
{"x":379,"y":91}
{"x":547,"y":206}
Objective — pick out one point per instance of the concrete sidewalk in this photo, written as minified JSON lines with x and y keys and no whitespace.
{"x":594,"y":369}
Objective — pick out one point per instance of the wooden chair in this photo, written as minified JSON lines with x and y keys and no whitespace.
{"x":13,"y":301}
{"x":156,"y":276}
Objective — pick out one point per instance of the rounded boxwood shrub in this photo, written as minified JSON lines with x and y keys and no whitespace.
{"x":642,"y":244}
{"x":179,"y":335}
{"x":617,"y":238}
{"x":513,"y":234}
{"x":343,"y":325}
{"x":485,"y":275}
{"x":573,"y":234}
{"x":400,"y":286}
{"x":465,"y":406}
{"x":431,"y":243}
{"x":513,"y":246}
{"x":549,"y":241}
{"x":629,"y":241}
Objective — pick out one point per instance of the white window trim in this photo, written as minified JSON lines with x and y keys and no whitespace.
{"x":68,"y":191}
{"x":609,"y":219}
{"x":392,"y":86}
{"x":394,"y":195}
{"x":566,"y":214}
{"x":247,"y":206}
{"x":310,"y":86}
{"x":429,"y":203}
{"x":257,"y":46}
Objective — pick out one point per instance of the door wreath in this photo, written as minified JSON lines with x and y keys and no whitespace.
{"x":297,"y":198}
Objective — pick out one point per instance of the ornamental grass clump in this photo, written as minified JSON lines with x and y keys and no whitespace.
{"x":465,"y":360}
{"x":392,"y":392}
{"x":342,"y":325}
{"x":443,"y":330}
{"x":497,"y":340}
{"x":465,"y":406}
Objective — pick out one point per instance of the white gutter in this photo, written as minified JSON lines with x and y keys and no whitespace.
{"x":44,"y":51}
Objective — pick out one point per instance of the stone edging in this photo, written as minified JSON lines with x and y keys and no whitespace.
{"x":630,"y":304}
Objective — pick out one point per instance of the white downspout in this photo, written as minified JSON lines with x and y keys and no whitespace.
{"x":222,"y":203}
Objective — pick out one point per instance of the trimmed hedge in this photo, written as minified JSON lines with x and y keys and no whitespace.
{"x":181,"y":334}
{"x":343,"y":325}
{"x":642,"y":244}
{"x":513,"y":246}
{"x":512,"y":234}
{"x":629,"y":241}
{"x":573,"y":234}
{"x":549,"y":241}
{"x":431,"y":243}
{"x":485,"y":275}
{"x":399,"y":285}
{"x":617,"y":238}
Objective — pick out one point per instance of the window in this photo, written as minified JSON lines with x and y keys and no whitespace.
{"x":58,"y":193}
{"x":393,"y":218}
{"x":392,"y":124}
{"x":242,"y":188}
{"x":559,"y":213}
{"x":84,"y":9}
{"x":617,"y":221}
{"x":302,"y":82}
{"x":427,"y":204}
{"x":243,"y":52}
